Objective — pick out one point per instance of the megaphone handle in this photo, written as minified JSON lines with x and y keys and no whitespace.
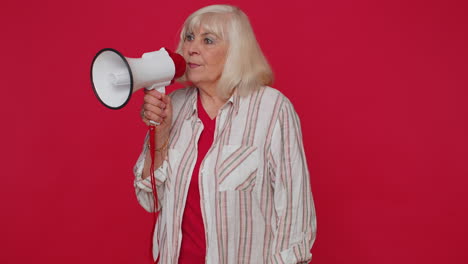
{"x":161,"y":89}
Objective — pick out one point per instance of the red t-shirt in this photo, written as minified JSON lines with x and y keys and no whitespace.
{"x":193,"y":248}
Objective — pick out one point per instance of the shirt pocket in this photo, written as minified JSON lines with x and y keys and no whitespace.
{"x":238,"y":168}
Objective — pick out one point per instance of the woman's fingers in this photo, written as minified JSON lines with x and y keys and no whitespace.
{"x":154,"y":93}
{"x":150,"y":99}
{"x":155,"y":109}
{"x":152,"y":116}
{"x":154,"y":113}
{"x":143,"y":117}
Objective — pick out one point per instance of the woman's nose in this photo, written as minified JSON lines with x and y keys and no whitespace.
{"x":193,"y":48}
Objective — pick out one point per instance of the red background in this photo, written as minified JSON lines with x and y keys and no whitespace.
{"x":380,"y":87}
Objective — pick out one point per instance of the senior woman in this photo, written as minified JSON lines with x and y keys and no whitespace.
{"x":232,"y":178}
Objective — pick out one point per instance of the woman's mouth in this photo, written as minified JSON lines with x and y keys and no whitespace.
{"x":193,"y":65}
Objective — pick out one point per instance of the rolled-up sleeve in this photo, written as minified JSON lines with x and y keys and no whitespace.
{"x":295,"y":228}
{"x":143,"y":189}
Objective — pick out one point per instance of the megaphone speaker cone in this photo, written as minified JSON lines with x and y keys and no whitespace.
{"x":112,"y":78}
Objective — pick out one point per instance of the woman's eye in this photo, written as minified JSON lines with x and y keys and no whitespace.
{"x":208,"y":41}
{"x":189,"y":37}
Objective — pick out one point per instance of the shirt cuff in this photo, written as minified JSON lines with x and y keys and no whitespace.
{"x":159,"y":174}
{"x":293,"y":255}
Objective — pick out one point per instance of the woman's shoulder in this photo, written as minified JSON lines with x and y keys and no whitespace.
{"x":270,"y":91}
{"x":266,"y":102}
{"x":274,"y":100}
{"x":270,"y":94}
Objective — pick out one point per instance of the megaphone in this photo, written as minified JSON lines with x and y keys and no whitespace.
{"x":115,"y":78}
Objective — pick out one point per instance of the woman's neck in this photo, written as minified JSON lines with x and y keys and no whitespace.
{"x":211,"y":102}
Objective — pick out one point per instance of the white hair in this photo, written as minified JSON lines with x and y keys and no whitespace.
{"x":246,"y":68}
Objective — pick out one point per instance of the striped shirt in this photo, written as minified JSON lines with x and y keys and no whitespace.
{"x":254,"y":184}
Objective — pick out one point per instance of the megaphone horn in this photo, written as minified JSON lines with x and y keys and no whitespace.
{"x":115,"y":78}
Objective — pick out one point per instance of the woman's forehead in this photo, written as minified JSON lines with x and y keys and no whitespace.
{"x":212,"y":24}
{"x":202,"y":31}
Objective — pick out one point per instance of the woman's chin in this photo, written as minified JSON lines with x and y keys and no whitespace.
{"x":193,"y":81}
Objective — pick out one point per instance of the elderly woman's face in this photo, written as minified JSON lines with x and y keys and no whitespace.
{"x":205,"y":54}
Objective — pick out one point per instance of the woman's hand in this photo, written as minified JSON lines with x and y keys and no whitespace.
{"x":157,"y":107}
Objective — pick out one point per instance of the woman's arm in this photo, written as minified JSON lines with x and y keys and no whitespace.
{"x":157,"y":107}
{"x":296,"y":222}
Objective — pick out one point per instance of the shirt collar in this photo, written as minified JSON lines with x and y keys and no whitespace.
{"x":235,"y":100}
{"x":192,"y":101}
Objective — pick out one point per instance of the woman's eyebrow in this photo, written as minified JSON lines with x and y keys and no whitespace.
{"x":209,"y":33}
